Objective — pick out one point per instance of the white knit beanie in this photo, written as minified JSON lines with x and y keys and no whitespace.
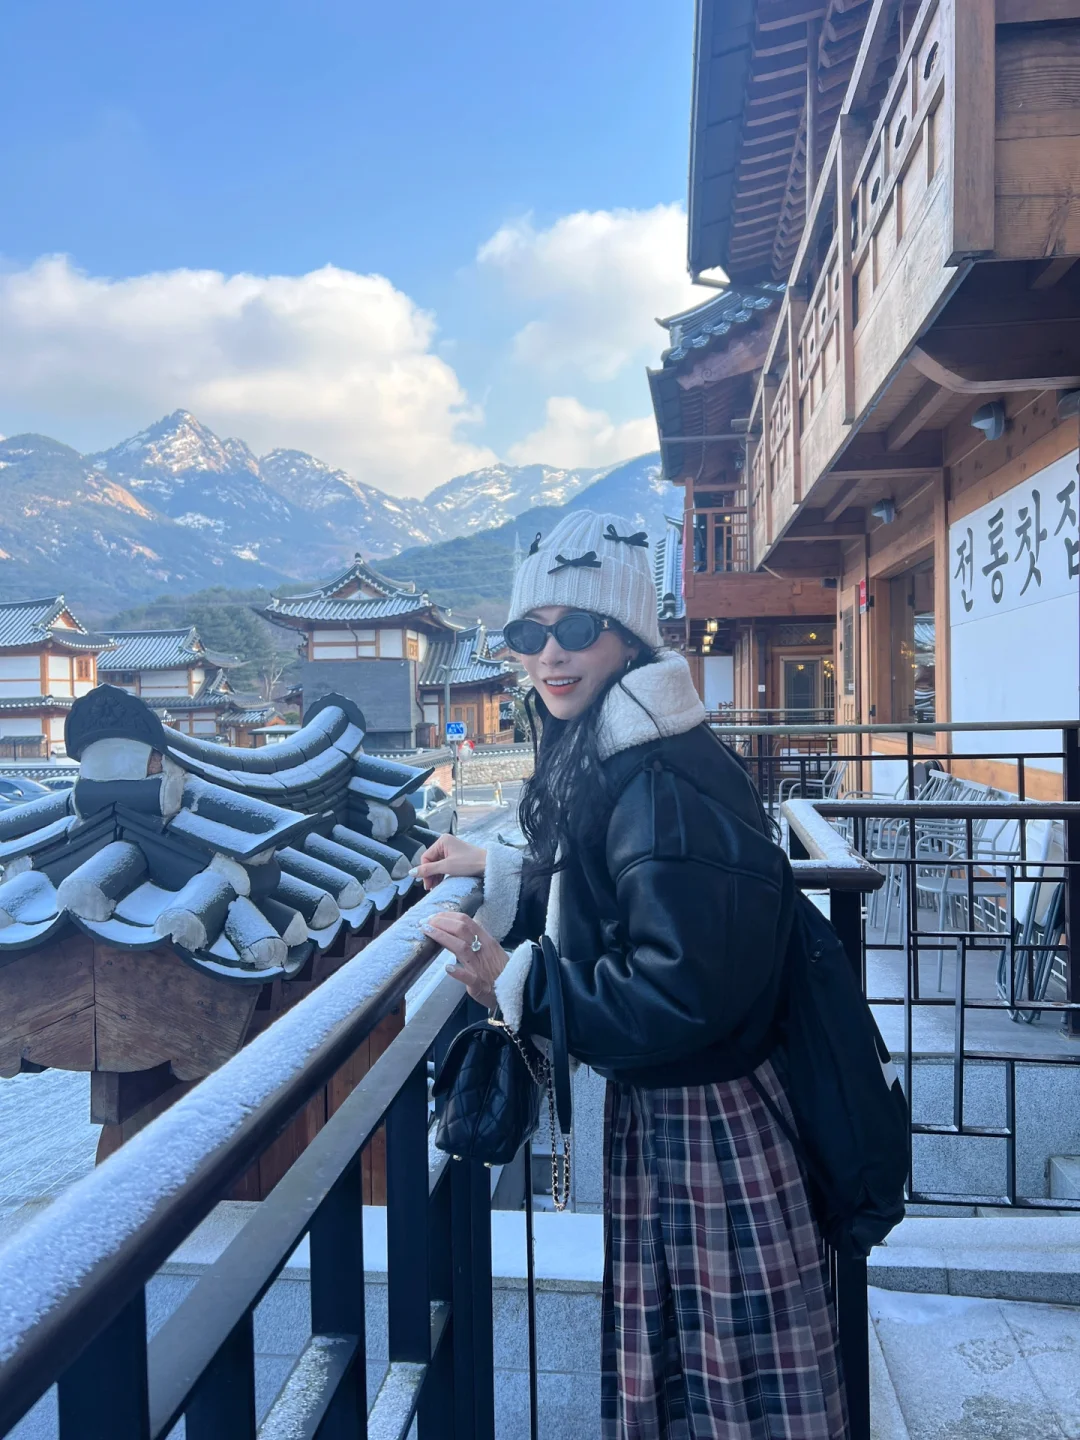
{"x":564,"y":571}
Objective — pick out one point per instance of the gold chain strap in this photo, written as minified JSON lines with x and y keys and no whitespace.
{"x":560,"y":1192}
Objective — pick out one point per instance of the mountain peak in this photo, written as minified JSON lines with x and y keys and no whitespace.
{"x":176,"y":444}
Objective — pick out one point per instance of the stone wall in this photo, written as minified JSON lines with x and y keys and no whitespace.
{"x":515,"y":762}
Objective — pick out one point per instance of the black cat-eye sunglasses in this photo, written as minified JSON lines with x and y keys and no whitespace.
{"x":575,"y":631}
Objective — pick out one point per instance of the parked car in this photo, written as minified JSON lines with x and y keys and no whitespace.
{"x":436,"y":809}
{"x":18,"y":790}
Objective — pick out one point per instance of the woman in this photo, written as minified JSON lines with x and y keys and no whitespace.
{"x":650,"y":866}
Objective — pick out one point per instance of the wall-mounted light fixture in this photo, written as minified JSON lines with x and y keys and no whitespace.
{"x":990,"y":419}
{"x":712,"y":626}
{"x":884,"y":510}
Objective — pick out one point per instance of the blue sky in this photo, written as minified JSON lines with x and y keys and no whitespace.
{"x":511,"y":171}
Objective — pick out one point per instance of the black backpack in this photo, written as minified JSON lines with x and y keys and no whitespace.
{"x":850,"y":1111}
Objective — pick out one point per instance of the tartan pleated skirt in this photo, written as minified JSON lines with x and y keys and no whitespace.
{"x":717,"y":1317}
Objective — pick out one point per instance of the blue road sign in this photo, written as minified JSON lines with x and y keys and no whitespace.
{"x":455,"y":730}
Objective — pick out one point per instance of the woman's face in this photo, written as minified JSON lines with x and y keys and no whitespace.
{"x":570,"y":680}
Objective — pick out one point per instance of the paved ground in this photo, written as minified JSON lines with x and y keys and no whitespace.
{"x":960,"y":1369}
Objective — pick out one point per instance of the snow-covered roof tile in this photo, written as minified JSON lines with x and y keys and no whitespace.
{"x":181,"y":864}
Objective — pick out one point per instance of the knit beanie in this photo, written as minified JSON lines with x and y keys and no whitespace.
{"x":592,"y":562}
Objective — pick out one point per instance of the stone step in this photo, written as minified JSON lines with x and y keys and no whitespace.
{"x":1064,"y":1175}
{"x":1022,"y":1257}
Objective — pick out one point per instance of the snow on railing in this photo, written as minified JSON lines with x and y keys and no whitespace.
{"x":53,"y":1266}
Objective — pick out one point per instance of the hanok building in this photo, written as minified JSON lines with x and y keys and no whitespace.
{"x":173,"y":671}
{"x":162,"y":912}
{"x":757,"y":643}
{"x":396,"y":654}
{"x":47,"y":658}
{"x":907,"y":170}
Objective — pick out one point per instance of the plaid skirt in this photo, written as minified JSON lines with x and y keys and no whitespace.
{"x":717,"y":1317}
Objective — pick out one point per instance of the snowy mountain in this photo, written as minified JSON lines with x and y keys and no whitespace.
{"x":377,"y":522}
{"x":177,"y":508}
{"x":67,"y":526}
{"x":498,"y":493}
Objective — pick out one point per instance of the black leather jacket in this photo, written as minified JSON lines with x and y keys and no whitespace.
{"x":672,"y":932}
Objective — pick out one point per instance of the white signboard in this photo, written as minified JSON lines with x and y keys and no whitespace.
{"x":1019,"y":550}
{"x":1014,"y":608}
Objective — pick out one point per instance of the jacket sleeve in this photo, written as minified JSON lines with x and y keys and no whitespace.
{"x":704,"y":905}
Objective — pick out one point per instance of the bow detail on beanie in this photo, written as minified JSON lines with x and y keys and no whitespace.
{"x":639,"y":537}
{"x":535,"y":546}
{"x":588,"y":561}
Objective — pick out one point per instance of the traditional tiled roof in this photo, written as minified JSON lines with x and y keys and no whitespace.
{"x":244,"y":860}
{"x":251,"y":715}
{"x":495,"y":642}
{"x":302,"y":607}
{"x":668,"y":572}
{"x":160,"y":650}
{"x":367,"y":596}
{"x":686,"y":400}
{"x":464,"y":654}
{"x":31,"y":622}
{"x":35,"y":702}
{"x":695,"y":329}
{"x":361,"y":573}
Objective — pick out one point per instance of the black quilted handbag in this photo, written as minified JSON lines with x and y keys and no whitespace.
{"x":491,"y":1082}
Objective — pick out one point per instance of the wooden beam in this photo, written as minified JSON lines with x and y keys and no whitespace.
{"x":1024,"y":12}
{"x":916,"y":415}
{"x":1054,"y":270}
{"x":840,"y":501}
{"x":852,"y":141}
{"x":810,"y":113}
{"x":970,"y":94}
{"x":878,"y":28}
{"x":941,"y":375}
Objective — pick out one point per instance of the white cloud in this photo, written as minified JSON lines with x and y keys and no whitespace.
{"x":334,"y":362}
{"x":574,"y":436}
{"x":599,"y":279}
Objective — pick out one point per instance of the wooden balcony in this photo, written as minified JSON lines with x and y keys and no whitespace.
{"x":973,"y":155}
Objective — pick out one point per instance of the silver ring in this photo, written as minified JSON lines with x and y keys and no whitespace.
{"x":477,"y":944}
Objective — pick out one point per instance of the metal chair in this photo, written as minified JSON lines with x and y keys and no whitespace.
{"x":1038,"y":930}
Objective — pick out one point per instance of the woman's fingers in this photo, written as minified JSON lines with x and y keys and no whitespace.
{"x":450,"y":855}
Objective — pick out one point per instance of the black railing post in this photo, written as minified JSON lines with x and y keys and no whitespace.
{"x":336,"y":1241}
{"x":103,"y":1394}
{"x":222,"y":1405}
{"x":1071,"y":1023}
{"x":471,"y":1310}
{"x":852,"y":1311}
{"x":408,"y":1295}
{"x":474,"y":1341}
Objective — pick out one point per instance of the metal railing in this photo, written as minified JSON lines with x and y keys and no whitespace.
{"x":73,"y":1281}
{"x":958,"y":1052}
{"x":789,"y":760}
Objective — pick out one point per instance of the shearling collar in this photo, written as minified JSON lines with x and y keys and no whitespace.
{"x":651,"y":703}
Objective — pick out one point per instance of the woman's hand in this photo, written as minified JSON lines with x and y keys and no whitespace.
{"x":450,"y":856}
{"x":477,"y":969}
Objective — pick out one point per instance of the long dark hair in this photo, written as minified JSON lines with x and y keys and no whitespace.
{"x":565,"y":801}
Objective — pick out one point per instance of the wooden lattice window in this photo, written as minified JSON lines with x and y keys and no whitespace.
{"x":84,"y":668}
